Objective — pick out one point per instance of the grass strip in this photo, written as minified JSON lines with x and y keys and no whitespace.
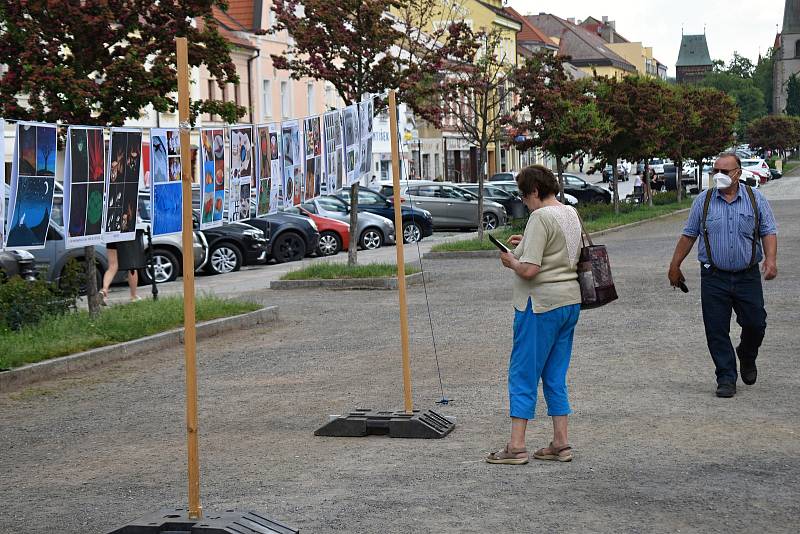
{"x":61,"y":335}
{"x":327,"y":271}
{"x":789,"y":166}
{"x":595,"y":217}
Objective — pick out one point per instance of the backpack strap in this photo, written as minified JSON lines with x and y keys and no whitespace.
{"x":706,"y":203}
{"x":756,"y":221}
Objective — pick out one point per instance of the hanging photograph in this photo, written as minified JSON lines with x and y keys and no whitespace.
{"x":212,"y":159}
{"x":84,"y":186}
{"x":365,"y":115}
{"x":242,"y":177}
{"x":33,"y":172}
{"x":334,"y":168}
{"x":276,"y":188}
{"x":263,"y":170}
{"x":122,"y":183}
{"x":312,"y":139}
{"x":166,"y":190}
{"x":352,"y":141}
{"x":2,"y":185}
{"x":292,"y":163}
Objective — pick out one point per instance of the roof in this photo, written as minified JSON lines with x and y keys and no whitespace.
{"x":229,"y":26}
{"x":242,"y":11}
{"x":595,"y":26}
{"x":694,"y":52}
{"x":585,"y":48}
{"x":499,"y":12}
{"x":529,"y":33}
{"x":791,"y":17}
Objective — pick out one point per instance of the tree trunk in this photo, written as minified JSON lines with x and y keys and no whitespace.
{"x":679,"y":177}
{"x":481,"y":157}
{"x":352,"y":248}
{"x":648,"y":190}
{"x":560,"y":171}
{"x":615,"y":184}
{"x":91,"y":282}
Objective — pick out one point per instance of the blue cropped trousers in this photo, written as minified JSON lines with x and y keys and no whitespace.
{"x":542,"y":350}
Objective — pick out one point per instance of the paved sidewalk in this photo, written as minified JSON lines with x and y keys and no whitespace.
{"x":655,"y":450}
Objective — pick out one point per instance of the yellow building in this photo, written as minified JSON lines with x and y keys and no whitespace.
{"x":635,"y":53}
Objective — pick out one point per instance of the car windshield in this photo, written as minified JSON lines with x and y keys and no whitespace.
{"x":331,"y":204}
{"x":750,"y":162}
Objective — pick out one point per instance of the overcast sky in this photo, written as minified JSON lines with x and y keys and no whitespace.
{"x":743,"y":26}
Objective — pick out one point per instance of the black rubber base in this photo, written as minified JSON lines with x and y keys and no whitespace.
{"x":362,"y":422}
{"x":176,"y":521}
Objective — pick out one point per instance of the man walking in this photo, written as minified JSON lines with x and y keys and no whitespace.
{"x":736,"y":230}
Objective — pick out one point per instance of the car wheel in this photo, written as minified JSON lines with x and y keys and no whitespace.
{"x":598,"y":199}
{"x":289,"y":246}
{"x":329,"y":243}
{"x":371,"y":239}
{"x":489,"y":221}
{"x":411,"y":232}
{"x":166,"y":267}
{"x":224,"y":258}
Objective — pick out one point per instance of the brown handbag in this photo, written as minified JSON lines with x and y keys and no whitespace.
{"x":594,"y":273}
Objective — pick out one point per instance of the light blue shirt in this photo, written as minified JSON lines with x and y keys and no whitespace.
{"x":730,"y":228}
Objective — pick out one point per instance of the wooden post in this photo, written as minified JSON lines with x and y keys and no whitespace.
{"x":189,"y":344}
{"x":401,"y":266}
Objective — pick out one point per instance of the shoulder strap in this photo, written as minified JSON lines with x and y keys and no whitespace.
{"x":706,"y":203}
{"x":756,"y":222}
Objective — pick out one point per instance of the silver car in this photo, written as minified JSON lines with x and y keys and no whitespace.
{"x":452,"y":206}
{"x":373,"y":230}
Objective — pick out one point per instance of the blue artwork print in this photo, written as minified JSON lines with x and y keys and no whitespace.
{"x":168,"y":207}
{"x":31,"y":218}
{"x":45,"y":151}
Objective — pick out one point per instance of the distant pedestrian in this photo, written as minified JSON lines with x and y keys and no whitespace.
{"x":737,"y":230}
{"x":546,"y":300}
{"x":580,"y":164}
{"x":126,"y":256}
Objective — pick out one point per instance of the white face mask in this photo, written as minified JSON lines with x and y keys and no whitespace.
{"x":723,"y":181}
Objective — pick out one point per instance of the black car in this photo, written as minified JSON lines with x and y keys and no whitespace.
{"x":232,"y":245}
{"x":289,"y":237}
{"x":584,"y":191}
{"x":514,"y":206}
{"x":417,"y":222}
{"x":17,"y":263}
{"x":775,"y":173}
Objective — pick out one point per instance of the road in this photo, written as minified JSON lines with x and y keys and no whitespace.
{"x":656,"y":451}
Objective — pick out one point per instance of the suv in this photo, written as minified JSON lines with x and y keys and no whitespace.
{"x":417,"y":223}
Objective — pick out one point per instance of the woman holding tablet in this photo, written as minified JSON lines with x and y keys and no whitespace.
{"x":546,"y":307}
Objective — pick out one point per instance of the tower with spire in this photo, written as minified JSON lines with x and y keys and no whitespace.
{"x":787,"y":54}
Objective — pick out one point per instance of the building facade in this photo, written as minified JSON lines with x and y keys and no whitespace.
{"x":694,"y":61}
{"x":787,"y":54}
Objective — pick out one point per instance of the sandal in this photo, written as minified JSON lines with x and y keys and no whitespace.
{"x":506,"y":456}
{"x":103,"y":297}
{"x":560,"y":454}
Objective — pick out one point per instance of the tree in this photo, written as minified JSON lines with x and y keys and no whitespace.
{"x":683,"y":119}
{"x":793,"y":96}
{"x":356,"y":46}
{"x":96,"y":62}
{"x":749,"y":98}
{"x":740,"y":66}
{"x":712,"y":131}
{"x":557,"y":114}
{"x":475,"y":93}
{"x":763,"y":77}
{"x":775,"y":132}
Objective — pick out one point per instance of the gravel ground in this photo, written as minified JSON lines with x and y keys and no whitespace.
{"x":655,"y":450}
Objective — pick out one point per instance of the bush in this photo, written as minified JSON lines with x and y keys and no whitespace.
{"x":667,"y":197}
{"x":25,"y":303}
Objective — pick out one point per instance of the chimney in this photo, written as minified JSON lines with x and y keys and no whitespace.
{"x":605,"y":19}
{"x":571,"y":20}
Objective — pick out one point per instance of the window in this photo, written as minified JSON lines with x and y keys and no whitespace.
{"x":797,"y":48}
{"x":425,"y":191}
{"x":330,"y":101}
{"x":225,"y":93}
{"x":212,"y":95}
{"x":369,"y":198}
{"x":236,"y":94}
{"x":330,"y":204}
{"x":309,"y":207}
{"x":266,"y":99}
{"x":310,"y":97}
{"x":285,"y":100}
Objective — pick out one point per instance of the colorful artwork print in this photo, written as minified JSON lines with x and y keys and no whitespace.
{"x":84,"y":187}
{"x":166,"y":193}
{"x":312,"y":139}
{"x":276,"y":188}
{"x":2,"y":185}
{"x":264,"y":170}
{"x":122,"y":183}
{"x":242,"y":177}
{"x":292,"y":163}
{"x":334,"y":165}
{"x":33,"y":170}
{"x":212,"y":158}
{"x":365,"y":115}
{"x":352,"y":140}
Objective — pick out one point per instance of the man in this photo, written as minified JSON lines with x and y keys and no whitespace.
{"x":729,"y":252}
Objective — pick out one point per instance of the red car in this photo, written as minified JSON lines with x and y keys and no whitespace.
{"x":333,"y":235}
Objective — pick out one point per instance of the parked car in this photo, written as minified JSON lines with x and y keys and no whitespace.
{"x":373,"y":230}
{"x":775,"y":173}
{"x":667,"y":180}
{"x":231,"y":246}
{"x":747,"y":177}
{"x":17,"y":263}
{"x":622,"y":173}
{"x":513,"y":204}
{"x":417,"y":223}
{"x":584,"y":191}
{"x":334,"y":236}
{"x":289,"y":236}
{"x":450,"y":205}
{"x":511,"y":187}
{"x":503,"y":176}
{"x":758,"y":167}
{"x":657,"y":164}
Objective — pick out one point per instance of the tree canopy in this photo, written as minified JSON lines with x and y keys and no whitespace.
{"x":776,"y":132}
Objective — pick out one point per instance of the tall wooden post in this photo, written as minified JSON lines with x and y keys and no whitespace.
{"x":401,"y":266}
{"x":189,"y":344}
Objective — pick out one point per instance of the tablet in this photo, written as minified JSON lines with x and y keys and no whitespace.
{"x":498,"y":244}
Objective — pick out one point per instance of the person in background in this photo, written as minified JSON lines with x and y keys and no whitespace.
{"x":580,"y":164}
{"x":546,"y":300}
{"x":125,"y":255}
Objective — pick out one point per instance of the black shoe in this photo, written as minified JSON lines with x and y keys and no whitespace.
{"x":747,"y":368}
{"x":726,"y":390}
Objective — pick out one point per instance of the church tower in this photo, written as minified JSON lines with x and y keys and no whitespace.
{"x":787,"y":54}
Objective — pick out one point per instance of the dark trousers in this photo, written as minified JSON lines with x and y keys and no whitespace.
{"x":722,"y":292}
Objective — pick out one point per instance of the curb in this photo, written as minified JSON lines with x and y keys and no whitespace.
{"x":463,"y":254}
{"x":27,"y":374}
{"x":345,"y":283}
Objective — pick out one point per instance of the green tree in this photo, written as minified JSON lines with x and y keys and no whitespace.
{"x":793,"y":96}
{"x":683,"y":119}
{"x":749,"y":99}
{"x":763,"y":77}
{"x":775,"y":132}
{"x":712,"y":130}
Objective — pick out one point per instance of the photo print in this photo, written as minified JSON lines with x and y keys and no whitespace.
{"x":166,"y":193}
{"x":241,"y":174}
{"x":312,"y":138}
{"x":334,"y":169}
{"x":122,"y":183}
{"x":212,"y":159}
{"x":365,"y":115}
{"x":84,"y":186}
{"x":292,"y":163}
{"x":276,"y":188}
{"x":352,"y":141}
{"x":33,"y":172}
{"x":2,"y":185}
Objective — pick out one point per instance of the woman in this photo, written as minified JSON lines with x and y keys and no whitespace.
{"x":126,"y":255}
{"x":547,"y":303}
